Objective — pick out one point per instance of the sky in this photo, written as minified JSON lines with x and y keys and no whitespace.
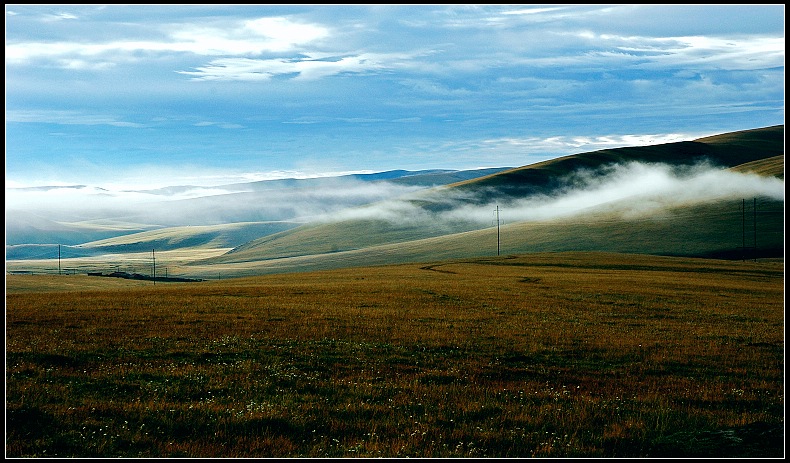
{"x":145,"y":96}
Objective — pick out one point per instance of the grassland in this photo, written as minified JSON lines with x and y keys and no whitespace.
{"x":535,"y":355}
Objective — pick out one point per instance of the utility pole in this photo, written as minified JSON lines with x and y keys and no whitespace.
{"x":153,"y":255}
{"x":743,"y":230}
{"x":755,"y":228}
{"x":497,"y":230}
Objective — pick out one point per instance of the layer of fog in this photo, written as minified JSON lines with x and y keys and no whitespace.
{"x":629,"y":191}
{"x":85,"y":206}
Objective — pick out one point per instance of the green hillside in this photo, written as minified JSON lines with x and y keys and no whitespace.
{"x":713,"y":229}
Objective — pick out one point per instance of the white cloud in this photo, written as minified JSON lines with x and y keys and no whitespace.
{"x":250,"y":37}
{"x":311,"y":67}
{"x":730,"y":53}
{"x":284,"y":34}
{"x":82,"y":65}
{"x":530,"y":11}
{"x":58,"y":17}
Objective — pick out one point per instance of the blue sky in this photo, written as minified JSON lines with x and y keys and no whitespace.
{"x":147,"y":96}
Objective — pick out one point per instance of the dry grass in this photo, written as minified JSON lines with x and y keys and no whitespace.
{"x":545,"y":355}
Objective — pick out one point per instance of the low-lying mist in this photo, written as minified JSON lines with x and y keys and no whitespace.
{"x":631,"y":190}
{"x":81,"y":208}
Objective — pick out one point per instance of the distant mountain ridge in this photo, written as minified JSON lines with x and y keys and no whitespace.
{"x":429,"y":177}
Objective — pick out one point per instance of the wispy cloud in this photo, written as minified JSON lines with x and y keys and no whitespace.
{"x":531,"y":11}
{"x":66,"y":117}
{"x":58,"y":17}
{"x":222,"y":125}
{"x":274,"y":34}
{"x":309,"y":66}
{"x":695,"y":52}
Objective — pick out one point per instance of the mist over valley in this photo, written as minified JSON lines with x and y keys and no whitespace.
{"x":348,"y":219}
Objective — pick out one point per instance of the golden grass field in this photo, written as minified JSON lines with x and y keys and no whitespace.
{"x":533,"y":355}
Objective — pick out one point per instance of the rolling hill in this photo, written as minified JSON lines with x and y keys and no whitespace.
{"x":695,"y":228}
